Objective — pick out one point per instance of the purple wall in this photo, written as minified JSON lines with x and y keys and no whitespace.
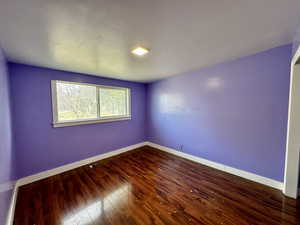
{"x":39,"y":146}
{"x":6,"y":149}
{"x":5,"y":198}
{"x":233,"y":113}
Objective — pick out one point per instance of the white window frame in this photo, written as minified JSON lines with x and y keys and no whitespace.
{"x":57,"y":123}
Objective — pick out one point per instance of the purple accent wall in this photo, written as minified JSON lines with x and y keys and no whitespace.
{"x":233,"y":113}
{"x":39,"y":146}
{"x":6,"y":148}
{"x":5,"y":198}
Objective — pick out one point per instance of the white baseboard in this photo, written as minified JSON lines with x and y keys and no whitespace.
{"x":219,"y":166}
{"x":70,"y":166}
{"x":11,"y":210}
{"x":48,"y":173}
{"x":64,"y":168}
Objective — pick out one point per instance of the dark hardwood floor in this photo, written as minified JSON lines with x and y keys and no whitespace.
{"x":147,"y":186}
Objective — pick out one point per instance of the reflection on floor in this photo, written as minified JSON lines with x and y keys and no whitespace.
{"x":93,"y":211}
{"x":147,"y":186}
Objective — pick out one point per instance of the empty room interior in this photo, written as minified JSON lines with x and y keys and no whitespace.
{"x":158,"y":112}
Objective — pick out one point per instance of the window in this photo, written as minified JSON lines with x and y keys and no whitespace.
{"x":80,"y":103}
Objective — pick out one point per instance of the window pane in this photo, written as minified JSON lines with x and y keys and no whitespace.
{"x":113,"y":102}
{"x":76,"y":102}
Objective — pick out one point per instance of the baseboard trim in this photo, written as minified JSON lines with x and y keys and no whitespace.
{"x":11,"y":210}
{"x":70,"y":166}
{"x":241,"y":173}
{"x":48,"y":173}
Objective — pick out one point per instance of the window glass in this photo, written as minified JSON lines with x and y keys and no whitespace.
{"x":113,"y":102}
{"x":76,"y":102}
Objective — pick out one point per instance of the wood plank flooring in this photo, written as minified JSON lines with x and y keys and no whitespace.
{"x":150,"y":187}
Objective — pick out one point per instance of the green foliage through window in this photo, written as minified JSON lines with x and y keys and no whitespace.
{"x":80,"y":102}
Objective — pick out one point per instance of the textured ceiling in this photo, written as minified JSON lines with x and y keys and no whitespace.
{"x":96,"y":36}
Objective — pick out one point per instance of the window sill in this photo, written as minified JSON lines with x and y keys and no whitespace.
{"x":83,"y":122}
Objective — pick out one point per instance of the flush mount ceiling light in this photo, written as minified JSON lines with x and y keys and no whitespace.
{"x":140,"y":51}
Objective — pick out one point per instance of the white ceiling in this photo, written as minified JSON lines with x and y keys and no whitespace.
{"x":96,"y":36}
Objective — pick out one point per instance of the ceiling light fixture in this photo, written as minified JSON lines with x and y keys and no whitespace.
{"x":140,"y":51}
